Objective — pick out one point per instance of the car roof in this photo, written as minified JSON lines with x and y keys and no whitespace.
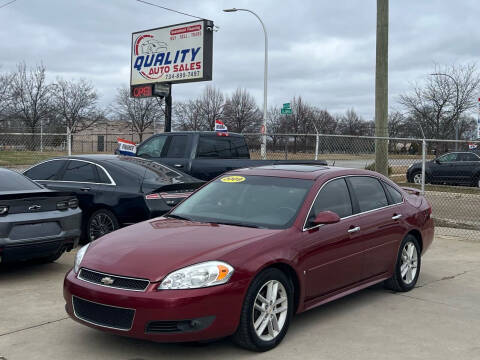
{"x":308,"y":172}
{"x":209,"y":133}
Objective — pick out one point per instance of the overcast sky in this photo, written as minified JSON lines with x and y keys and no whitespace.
{"x":322,"y":50}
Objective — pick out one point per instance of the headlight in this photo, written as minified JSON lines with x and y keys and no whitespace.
{"x":201,"y":275}
{"x":79,"y":257}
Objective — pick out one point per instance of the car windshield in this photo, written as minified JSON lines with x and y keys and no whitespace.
{"x":252,"y":201}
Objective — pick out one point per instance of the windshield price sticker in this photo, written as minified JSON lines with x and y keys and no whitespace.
{"x":232,"y":179}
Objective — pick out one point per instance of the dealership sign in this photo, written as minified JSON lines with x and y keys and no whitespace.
{"x":172,"y":54}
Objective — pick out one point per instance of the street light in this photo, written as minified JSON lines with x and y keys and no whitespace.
{"x":265,"y":76}
{"x":456,"y":105}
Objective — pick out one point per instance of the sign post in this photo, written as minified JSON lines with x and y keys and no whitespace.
{"x":169,"y":55}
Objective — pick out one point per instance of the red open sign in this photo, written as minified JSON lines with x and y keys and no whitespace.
{"x":141,"y":91}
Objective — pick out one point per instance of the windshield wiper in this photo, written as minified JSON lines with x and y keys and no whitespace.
{"x":173,"y":216}
{"x":237,"y":224}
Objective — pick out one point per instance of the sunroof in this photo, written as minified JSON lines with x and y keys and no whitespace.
{"x":299,"y":168}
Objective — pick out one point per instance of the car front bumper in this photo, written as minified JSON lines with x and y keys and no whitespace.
{"x":176,"y":315}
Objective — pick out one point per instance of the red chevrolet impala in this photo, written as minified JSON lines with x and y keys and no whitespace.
{"x":247,"y":251}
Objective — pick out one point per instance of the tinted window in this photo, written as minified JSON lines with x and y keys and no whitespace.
{"x":468,"y":157}
{"x":80,"y":171}
{"x":45,"y":171}
{"x":153,"y":147}
{"x":369,"y":193}
{"x":221,"y":147}
{"x":12,"y":181}
{"x":394,"y":194}
{"x":258,"y":201}
{"x":103,"y":178}
{"x":448,"y":157}
{"x":334,"y":197}
{"x":177,"y":146}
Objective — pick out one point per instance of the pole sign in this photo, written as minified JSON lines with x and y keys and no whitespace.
{"x":172,"y":54}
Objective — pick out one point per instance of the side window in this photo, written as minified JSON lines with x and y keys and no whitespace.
{"x":448,"y":157}
{"x":45,"y":171}
{"x":215,"y":147}
{"x":335,"y":197}
{"x":369,"y":193}
{"x":103,"y":178}
{"x":468,"y":157}
{"x":152,"y":148}
{"x":177,"y":146}
{"x":80,"y":171}
{"x":394,"y":194}
{"x":239,"y":147}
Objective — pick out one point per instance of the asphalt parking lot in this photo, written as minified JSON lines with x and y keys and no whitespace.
{"x":439,"y":319}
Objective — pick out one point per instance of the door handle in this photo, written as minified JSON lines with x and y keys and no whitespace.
{"x":353,"y":230}
{"x":85,"y":189}
{"x":178,"y":165}
{"x":396,"y":217}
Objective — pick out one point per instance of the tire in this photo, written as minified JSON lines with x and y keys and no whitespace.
{"x":417,"y":175}
{"x":246,"y":335}
{"x":406,"y":282}
{"x":100,"y":223}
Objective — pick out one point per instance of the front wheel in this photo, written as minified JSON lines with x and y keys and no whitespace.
{"x":100,"y":223}
{"x":266,"y":312}
{"x":407,"y":268}
{"x":417,"y":178}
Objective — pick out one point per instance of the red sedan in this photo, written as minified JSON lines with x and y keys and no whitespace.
{"x":247,"y":251}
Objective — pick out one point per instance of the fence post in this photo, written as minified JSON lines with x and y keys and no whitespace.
{"x":316,"y":146}
{"x":424,"y":155}
{"x":69,"y":142}
{"x":286,"y":148}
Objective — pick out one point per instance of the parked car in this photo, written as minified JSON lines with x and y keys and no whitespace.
{"x":35,"y":222}
{"x":455,"y":168}
{"x":115,"y":191}
{"x":247,"y":251}
{"x":205,"y":154}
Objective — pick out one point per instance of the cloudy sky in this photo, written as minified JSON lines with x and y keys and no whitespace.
{"x":322,"y":50}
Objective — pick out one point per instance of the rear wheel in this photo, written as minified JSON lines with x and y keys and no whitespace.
{"x":100,"y":223}
{"x":417,"y":177}
{"x":266,"y":312}
{"x":407,"y":268}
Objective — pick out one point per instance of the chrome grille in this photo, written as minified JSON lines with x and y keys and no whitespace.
{"x":113,"y":281}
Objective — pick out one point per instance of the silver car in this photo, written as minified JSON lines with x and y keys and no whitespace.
{"x":35,"y":222}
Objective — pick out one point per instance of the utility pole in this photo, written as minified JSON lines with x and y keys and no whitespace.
{"x":381,"y":89}
{"x":168,"y":110}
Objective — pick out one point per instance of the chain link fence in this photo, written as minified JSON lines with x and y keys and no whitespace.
{"x":451,"y":184}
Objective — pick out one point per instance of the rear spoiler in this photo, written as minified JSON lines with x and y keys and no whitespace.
{"x":412,"y":190}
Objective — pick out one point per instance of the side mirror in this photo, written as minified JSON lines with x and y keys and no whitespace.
{"x":437,"y":161}
{"x":326,"y":217}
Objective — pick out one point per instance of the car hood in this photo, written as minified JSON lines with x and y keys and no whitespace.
{"x":154,"y":248}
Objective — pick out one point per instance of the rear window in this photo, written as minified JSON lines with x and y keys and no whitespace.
{"x":12,"y":181}
{"x":81,"y":171}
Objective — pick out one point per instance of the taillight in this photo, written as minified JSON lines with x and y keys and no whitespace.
{"x":152,"y":196}
{"x":73,"y":203}
{"x":62,"y":205}
{"x":3,"y":209}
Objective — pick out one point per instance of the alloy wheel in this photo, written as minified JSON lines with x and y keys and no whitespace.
{"x":270,"y":310}
{"x":100,"y":225}
{"x":417,"y":178}
{"x":409,"y":263}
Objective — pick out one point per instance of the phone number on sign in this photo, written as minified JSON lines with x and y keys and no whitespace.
{"x":182,"y":75}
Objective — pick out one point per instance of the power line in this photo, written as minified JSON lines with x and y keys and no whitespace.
{"x":8,"y":3}
{"x":165,"y":8}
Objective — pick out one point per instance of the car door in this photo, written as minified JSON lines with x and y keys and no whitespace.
{"x":466,"y":167}
{"x":380,"y":221}
{"x":167,"y":149}
{"x":332,"y":253}
{"x":443,"y":168}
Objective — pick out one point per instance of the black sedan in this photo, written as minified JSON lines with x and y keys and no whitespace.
{"x":35,"y":222}
{"x":115,"y":191}
{"x":455,"y":168}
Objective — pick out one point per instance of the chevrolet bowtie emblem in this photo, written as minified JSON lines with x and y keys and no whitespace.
{"x":107,"y":280}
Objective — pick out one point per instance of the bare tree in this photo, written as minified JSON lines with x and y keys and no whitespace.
{"x":5,"y":94}
{"x":211,"y":106}
{"x":276,"y":125}
{"x":299,"y":120}
{"x":352,"y":124}
{"x":323,"y":121}
{"x":31,"y":100}
{"x":188,"y":116}
{"x":439,"y":104}
{"x":139,"y":112}
{"x":241,"y":113}
{"x":76,"y":104}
